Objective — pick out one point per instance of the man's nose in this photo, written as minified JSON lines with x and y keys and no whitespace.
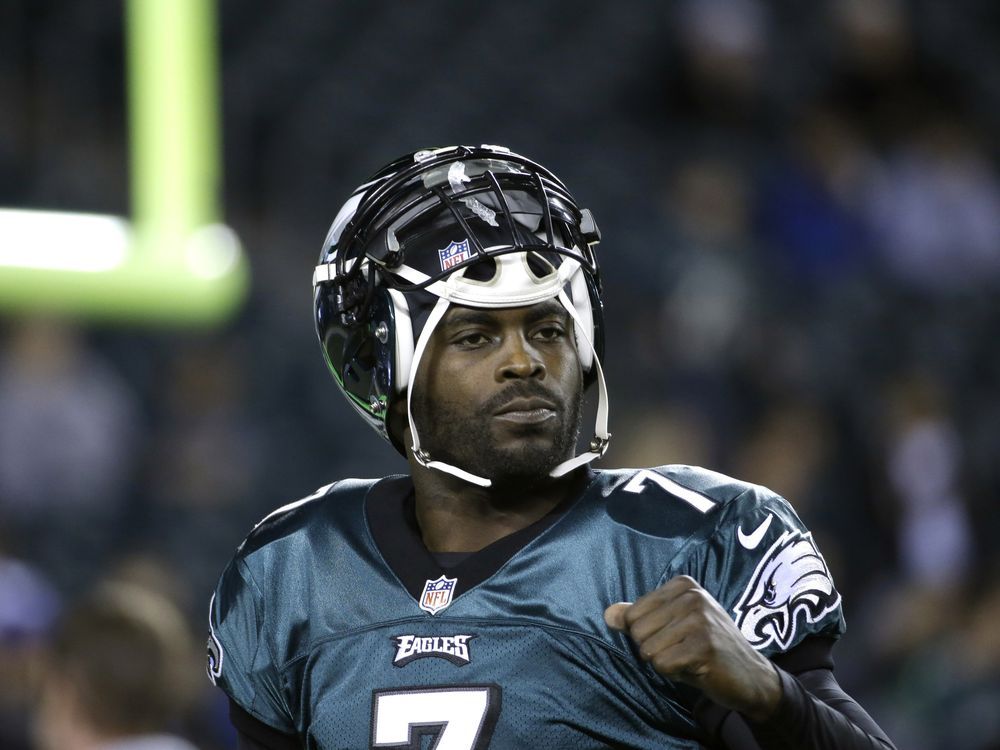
{"x":520,"y":360}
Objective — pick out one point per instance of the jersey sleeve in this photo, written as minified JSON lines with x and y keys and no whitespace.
{"x":763,"y":566}
{"x":239,"y":657}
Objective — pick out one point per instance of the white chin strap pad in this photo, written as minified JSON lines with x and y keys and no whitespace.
{"x":599,"y":443}
{"x":421,"y":456}
{"x":525,"y":291}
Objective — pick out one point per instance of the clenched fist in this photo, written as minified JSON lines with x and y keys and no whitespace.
{"x":686,"y":635}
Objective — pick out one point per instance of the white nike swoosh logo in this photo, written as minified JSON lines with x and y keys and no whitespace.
{"x":751,"y":540}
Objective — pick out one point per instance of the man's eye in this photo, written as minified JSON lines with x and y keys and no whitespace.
{"x":472,"y":339}
{"x":550,"y":333}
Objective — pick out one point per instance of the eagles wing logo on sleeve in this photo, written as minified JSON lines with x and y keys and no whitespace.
{"x":215,"y":652}
{"x":790,"y":583}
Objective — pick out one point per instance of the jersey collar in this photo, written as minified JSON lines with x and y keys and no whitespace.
{"x":391,"y":516}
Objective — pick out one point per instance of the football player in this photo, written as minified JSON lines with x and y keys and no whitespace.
{"x":503,"y":594}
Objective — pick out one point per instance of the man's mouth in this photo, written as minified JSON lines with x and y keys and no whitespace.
{"x":526,"y":411}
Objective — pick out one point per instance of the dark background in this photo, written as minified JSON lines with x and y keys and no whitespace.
{"x":800,"y":205}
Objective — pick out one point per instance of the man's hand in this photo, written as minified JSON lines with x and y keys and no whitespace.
{"x":687,"y":637}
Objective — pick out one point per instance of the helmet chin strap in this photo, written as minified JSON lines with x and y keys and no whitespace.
{"x":598,"y":444}
{"x":421,"y":456}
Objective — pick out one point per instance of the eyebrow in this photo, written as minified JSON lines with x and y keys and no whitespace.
{"x":545,"y":310}
{"x":460,"y":316}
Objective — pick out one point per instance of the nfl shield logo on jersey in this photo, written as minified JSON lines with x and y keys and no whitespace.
{"x":455,"y":253}
{"x":437,"y":594}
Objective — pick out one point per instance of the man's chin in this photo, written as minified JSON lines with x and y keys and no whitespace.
{"x":509,"y":455}
{"x":526,"y":463}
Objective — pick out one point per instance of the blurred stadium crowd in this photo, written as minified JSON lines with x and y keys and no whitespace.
{"x":800,"y":205}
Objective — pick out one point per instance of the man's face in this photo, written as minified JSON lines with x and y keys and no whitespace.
{"x":499,"y":392}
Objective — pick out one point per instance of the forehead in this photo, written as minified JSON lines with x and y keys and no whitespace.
{"x":458,"y":315}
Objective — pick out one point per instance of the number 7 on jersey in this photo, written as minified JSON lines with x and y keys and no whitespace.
{"x":462,"y":716}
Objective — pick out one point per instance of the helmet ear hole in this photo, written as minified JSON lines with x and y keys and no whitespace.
{"x":482,"y":270}
{"x":539,"y":266}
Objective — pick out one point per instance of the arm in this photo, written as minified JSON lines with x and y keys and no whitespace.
{"x":687,"y":637}
{"x":815,"y":712}
{"x":253,"y":734}
{"x":240,"y":664}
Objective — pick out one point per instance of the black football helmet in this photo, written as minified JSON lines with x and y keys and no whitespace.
{"x":478,"y":226}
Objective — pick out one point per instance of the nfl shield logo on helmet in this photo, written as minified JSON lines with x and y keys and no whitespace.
{"x":455,"y":253}
{"x":437,"y":594}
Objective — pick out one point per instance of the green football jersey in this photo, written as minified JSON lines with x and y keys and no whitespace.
{"x":334,"y":623}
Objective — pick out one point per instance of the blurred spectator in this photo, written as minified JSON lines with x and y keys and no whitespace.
{"x":918,"y":615}
{"x":119,"y":674}
{"x":208,"y":449}
{"x":723,"y":45}
{"x":787,"y":452}
{"x":68,"y":437}
{"x":935,"y":209}
{"x":206,"y":723}
{"x":669,"y":430}
{"x":810,"y":212}
{"x":878,"y":78}
{"x":709,"y":303}
{"x":28,"y":607}
{"x":924,"y":460}
{"x":205,"y":461}
{"x":708,"y":275}
{"x":976,"y":694}
{"x":28,"y":602}
{"x":67,"y":422}
{"x":944,"y":684}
